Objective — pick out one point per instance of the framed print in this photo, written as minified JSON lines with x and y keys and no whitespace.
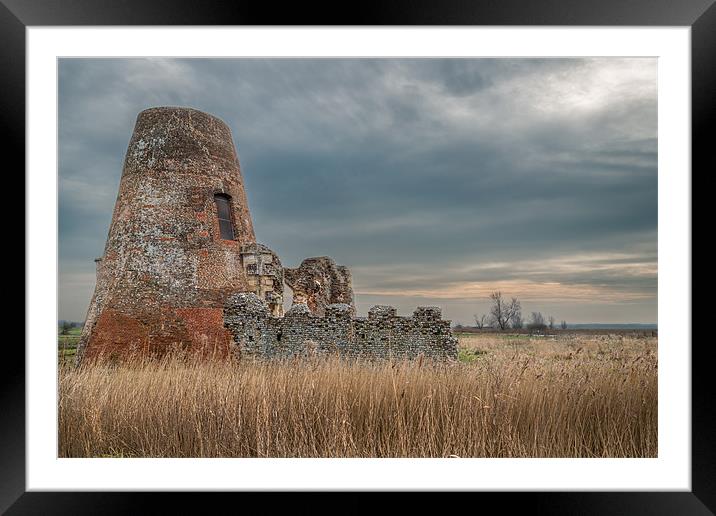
{"x":554,"y":141}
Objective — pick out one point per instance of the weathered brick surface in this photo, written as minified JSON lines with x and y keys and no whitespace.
{"x":164,"y":255}
{"x":383,"y":334}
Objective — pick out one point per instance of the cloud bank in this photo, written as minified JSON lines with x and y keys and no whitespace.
{"x":435,"y":180}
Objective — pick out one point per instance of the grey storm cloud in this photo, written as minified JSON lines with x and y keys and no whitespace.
{"x":435,"y":180}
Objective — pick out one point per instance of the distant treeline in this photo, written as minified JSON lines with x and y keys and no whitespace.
{"x":608,"y":326}
{"x":606,"y":330}
{"x":71,"y":324}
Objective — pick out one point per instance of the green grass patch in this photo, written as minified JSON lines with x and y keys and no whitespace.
{"x":63,"y":343}
{"x":74,"y":331}
{"x":470,"y":355}
{"x":66,"y":356}
{"x":70,"y":340}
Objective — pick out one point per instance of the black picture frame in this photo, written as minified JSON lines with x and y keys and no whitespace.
{"x":17,"y":15}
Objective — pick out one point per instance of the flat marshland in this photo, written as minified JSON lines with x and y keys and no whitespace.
{"x":571,"y":395}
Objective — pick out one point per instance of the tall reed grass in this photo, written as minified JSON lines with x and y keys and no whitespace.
{"x":512,"y":400}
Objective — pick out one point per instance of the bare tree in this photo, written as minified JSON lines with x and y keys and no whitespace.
{"x":551,"y":322}
{"x":517,"y":322}
{"x":563,"y":325}
{"x":480,"y":321}
{"x":502,"y":312}
{"x":536,"y":322}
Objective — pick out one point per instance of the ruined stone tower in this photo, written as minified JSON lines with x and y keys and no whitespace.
{"x":182,"y":270}
{"x":174,"y":248}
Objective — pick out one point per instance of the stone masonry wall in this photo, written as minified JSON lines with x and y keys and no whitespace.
{"x":264,"y":274}
{"x":383,"y":334}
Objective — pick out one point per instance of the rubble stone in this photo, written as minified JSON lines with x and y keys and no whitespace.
{"x":319,"y":282}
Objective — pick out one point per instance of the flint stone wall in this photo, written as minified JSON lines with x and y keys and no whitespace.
{"x":383,"y":334}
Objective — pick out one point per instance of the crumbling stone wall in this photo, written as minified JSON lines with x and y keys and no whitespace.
{"x":319,"y":282}
{"x":383,"y":334}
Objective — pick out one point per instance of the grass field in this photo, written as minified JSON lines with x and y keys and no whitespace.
{"x":572,"y":395}
{"x":67,"y":345}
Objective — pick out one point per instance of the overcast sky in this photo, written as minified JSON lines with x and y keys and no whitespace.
{"x":435,"y":181}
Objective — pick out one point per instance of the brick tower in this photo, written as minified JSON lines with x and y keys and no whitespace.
{"x":173,"y":252}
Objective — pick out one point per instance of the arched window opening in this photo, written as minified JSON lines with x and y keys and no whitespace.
{"x":223,"y":212}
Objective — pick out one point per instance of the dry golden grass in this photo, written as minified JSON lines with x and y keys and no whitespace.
{"x":522,"y":397}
